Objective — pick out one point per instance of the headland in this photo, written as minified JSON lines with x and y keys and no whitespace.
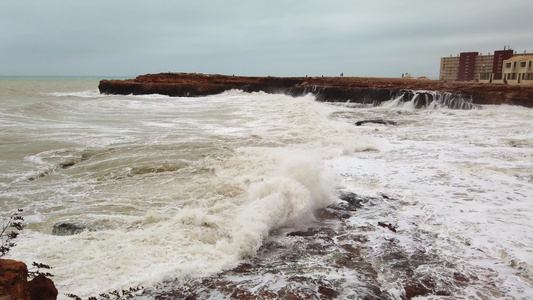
{"x":330,"y":89}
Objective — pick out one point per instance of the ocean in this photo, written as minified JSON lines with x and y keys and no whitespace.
{"x":167,"y":192}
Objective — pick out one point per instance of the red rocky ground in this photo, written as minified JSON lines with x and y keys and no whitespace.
{"x":327,"y":88}
{"x":332,"y":259}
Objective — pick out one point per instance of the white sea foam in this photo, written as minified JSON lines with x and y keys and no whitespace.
{"x":457,"y":176}
{"x":200,"y":239}
{"x":163,"y":206}
{"x":94,"y":93}
{"x":171,"y":186}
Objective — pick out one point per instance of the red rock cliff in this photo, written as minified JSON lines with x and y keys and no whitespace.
{"x":355,"y":89}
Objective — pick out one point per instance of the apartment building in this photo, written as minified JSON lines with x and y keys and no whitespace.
{"x":517,"y":70}
{"x":449,"y":68}
{"x":472,"y":66}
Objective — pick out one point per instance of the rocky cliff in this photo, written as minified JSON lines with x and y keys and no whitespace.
{"x":334,"y":89}
{"x":14,"y":284}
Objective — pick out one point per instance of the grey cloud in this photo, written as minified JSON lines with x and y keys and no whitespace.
{"x":284,"y":38}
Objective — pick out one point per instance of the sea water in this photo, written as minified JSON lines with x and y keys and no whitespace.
{"x":169,"y":187}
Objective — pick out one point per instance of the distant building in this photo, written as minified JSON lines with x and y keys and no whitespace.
{"x":467,"y":62}
{"x":449,"y":68}
{"x":470,"y":66}
{"x":517,"y":70}
{"x":499,"y":57}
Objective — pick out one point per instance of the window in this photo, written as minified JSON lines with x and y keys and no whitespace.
{"x":508,"y":65}
{"x":523,"y":64}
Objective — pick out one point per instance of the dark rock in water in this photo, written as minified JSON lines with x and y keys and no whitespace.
{"x":384,"y":122}
{"x":415,"y":290}
{"x":308,"y":232}
{"x":388,"y":226}
{"x":66,"y":228}
{"x":67,"y":164}
{"x":243,"y":268}
{"x":354,"y":201}
{"x":327,"y":292}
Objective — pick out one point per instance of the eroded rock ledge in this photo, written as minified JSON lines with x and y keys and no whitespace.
{"x":334,"y":89}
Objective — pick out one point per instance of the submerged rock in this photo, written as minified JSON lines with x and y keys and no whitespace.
{"x":384,"y":122}
{"x":353,"y":200}
{"x":388,"y":226}
{"x":67,"y":228}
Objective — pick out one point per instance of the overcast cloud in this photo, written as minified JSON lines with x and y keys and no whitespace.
{"x":258,"y":37}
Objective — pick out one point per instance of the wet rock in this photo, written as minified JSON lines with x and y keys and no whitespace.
{"x":290,"y":295}
{"x":308,"y":232}
{"x":327,"y":292}
{"x":13,"y":280}
{"x":351,"y":249}
{"x":42,"y":288}
{"x":388,"y":226}
{"x":267,"y":295}
{"x":331,"y":213}
{"x":67,"y":228}
{"x":67,"y":164}
{"x":384,"y":122}
{"x":243,"y":268}
{"x":415,"y":290}
{"x":353,"y":200}
{"x":460,"y":277}
{"x":242,"y":295}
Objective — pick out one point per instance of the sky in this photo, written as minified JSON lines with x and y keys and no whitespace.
{"x":380,"y":38}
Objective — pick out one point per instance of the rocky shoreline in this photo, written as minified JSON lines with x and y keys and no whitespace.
{"x":330,"y":89}
{"x":331,"y":259}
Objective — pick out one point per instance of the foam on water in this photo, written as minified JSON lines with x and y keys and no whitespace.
{"x":94,"y":93}
{"x":180,"y":187}
{"x":167,"y":186}
{"x":463,"y":178}
{"x":216,"y":230}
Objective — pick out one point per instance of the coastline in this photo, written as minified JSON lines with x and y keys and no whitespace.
{"x":330,"y":89}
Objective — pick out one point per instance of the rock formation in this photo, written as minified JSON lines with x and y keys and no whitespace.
{"x":13,"y":280}
{"x":42,"y":288}
{"x":68,"y":228}
{"x":14,"y":283}
{"x":335,"y":89}
{"x":384,"y":122}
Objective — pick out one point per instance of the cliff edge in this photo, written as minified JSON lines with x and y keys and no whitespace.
{"x":334,"y":89}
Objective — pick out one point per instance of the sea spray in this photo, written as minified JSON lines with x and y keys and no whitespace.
{"x":289,"y":198}
{"x":169,"y":187}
